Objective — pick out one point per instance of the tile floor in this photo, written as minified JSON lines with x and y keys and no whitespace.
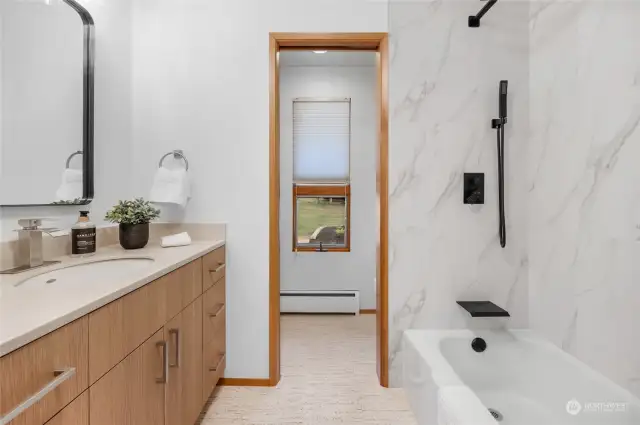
{"x":328,"y":377}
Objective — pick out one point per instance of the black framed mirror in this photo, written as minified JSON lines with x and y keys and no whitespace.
{"x":47,"y":65}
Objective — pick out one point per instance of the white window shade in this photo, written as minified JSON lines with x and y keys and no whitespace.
{"x":321,"y":133}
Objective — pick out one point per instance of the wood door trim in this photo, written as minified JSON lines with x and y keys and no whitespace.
{"x":338,"y":41}
{"x":244,"y":382}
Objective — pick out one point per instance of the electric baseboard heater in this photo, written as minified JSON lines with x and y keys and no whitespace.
{"x":345,"y":302}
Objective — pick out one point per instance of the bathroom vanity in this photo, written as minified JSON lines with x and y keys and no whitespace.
{"x":143,"y":348}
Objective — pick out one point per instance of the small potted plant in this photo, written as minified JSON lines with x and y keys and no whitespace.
{"x":134,"y":218}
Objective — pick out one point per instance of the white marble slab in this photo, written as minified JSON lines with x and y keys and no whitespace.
{"x":444,"y":79}
{"x":572,"y":264}
{"x":28,"y":313}
{"x":585,"y":182}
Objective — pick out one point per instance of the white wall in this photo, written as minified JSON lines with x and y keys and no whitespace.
{"x":585,"y":182}
{"x":113,"y":118}
{"x":443,"y":94}
{"x":354,"y":270}
{"x":201,"y":78}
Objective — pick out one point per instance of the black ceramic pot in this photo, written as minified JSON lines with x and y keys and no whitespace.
{"x":134,"y":236}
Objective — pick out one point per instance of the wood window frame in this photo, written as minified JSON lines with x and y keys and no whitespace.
{"x":319,"y":190}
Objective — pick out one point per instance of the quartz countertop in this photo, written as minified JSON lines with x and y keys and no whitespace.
{"x":30,"y":312}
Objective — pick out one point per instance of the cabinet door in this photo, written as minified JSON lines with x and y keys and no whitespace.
{"x":182,"y":287}
{"x":118,"y":328}
{"x":173,"y":390}
{"x":191,"y":373}
{"x":133,"y":391}
{"x":76,"y":413}
{"x":184,"y":390}
{"x":191,"y":281}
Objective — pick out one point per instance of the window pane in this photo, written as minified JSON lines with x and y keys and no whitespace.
{"x":321,"y":132}
{"x":321,"y":220}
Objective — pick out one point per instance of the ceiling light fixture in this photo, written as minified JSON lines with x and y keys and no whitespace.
{"x":320,"y":52}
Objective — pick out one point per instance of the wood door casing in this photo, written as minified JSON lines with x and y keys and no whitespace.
{"x":377,"y":42}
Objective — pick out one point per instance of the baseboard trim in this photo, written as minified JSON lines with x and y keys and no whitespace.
{"x":244,"y":382}
{"x":368,"y":311}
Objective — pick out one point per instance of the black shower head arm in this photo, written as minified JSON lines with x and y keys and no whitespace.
{"x":474,"y":21}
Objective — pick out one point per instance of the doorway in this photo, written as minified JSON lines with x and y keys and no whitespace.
{"x":368,"y":42}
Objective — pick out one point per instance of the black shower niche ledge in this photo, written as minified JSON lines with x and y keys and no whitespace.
{"x":483,"y":309}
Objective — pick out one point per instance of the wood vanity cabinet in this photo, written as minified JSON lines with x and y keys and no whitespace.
{"x":76,"y":413}
{"x":151,"y":357}
{"x":214,"y":336}
{"x":30,"y":369}
{"x":133,"y":391}
{"x":184,"y":338}
{"x":213,"y":267}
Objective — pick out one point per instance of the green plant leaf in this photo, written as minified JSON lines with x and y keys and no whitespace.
{"x":136,"y":211}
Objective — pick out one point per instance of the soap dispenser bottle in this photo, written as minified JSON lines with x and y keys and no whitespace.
{"x":83,"y":236}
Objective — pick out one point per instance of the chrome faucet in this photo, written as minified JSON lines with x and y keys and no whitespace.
{"x":29,"y":253}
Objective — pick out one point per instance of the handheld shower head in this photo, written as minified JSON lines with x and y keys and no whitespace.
{"x":504,"y":89}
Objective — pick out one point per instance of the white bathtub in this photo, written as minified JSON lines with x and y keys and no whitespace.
{"x":523,"y":378}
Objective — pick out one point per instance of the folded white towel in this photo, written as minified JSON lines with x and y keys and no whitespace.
{"x":70,"y":185}
{"x":171,"y":187}
{"x":180,"y":239}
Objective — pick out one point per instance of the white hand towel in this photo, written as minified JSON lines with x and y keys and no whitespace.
{"x":180,"y":239}
{"x":171,"y":187}
{"x":70,"y":186}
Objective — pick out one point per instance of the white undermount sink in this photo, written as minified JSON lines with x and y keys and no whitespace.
{"x":91,"y":272}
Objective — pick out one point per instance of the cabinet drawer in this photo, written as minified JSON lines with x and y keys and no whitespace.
{"x":211,"y":377}
{"x":215,"y":295}
{"x":213,"y":267}
{"x":76,"y":413}
{"x":118,"y":328}
{"x":214,"y":340}
{"x":32,"y":368}
{"x":214,"y":362}
{"x":214,"y":313}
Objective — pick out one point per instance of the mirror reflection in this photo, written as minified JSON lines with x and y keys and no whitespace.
{"x":42,"y":61}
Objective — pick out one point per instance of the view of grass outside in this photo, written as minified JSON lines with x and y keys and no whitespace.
{"x":316,"y":212}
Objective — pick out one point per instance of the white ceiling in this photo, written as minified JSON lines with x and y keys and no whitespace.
{"x":331,"y":58}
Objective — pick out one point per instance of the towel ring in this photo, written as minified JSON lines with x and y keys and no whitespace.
{"x":176,"y":154}
{"x":71,"y":157}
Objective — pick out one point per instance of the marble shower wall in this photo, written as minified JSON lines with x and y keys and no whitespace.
{"x":573,"y":182}
{"x":443,"y":92}
{"x":585,"y":182}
